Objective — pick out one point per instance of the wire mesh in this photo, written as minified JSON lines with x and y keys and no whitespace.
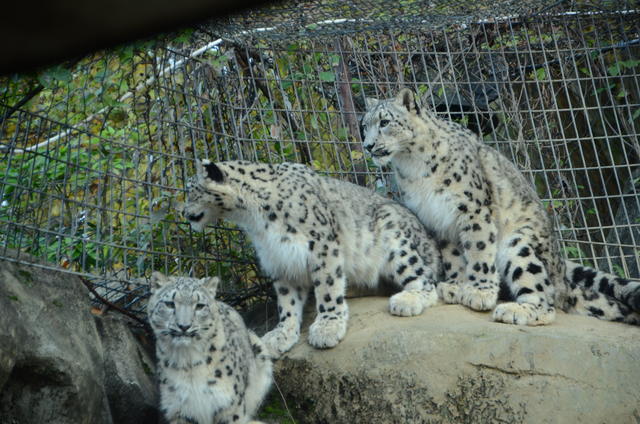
{"x":96,"y":152}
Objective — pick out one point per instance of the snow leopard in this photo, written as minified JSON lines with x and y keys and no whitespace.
{"x":315,"y":233}
{"x":496,"y":238}
{"x":211,"y":368}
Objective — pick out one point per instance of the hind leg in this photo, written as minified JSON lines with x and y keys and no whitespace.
{"x":411,"y":272}
{"x":454,"y":265}
{"x":529,"y":284}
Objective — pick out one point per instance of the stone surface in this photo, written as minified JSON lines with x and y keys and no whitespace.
{"x":129,"y":374}
{"x":55,"y":366}
{"x":56,"y":373}
{"x":453,"y":365}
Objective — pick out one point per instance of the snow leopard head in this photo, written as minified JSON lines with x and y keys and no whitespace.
{"x":388,"y":126}
{"x":181,"y":308}
{"x":210,"y":195}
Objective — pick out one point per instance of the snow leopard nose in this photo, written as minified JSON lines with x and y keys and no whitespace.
{"x":195,"y":218}
{"x":369,"y":147}
{"x":184,"y":328}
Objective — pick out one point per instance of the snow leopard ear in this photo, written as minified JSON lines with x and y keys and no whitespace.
{"x":211,"y":284}
{"x":407,"y":99}
{"x":207,"y":169}
{"x":370,"y":102}
{"x":158,"y":280}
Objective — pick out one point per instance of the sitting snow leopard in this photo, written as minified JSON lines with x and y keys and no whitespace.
{"x":493,"y":229}
{"x":314,"y":233}
{"x":211,"y":368}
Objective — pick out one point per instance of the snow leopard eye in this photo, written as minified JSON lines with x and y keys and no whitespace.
{"x":200,"y":306}
{"x":384,"y":123}
{"x":170,"y":305}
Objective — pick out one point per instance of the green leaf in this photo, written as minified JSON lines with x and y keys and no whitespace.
{"x":614,"y":70}
{"x":327,"y":76}
{"x":50,"y":77}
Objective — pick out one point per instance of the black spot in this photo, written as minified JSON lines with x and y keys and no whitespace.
{"x":462,"y":208}
{"x":476,"y":227}
{"x":214,"y":172}
{"x":321,"y":308}
{"x":311,"y":244}
{"x":327,"y":297}
{"x":524,"y":252}
{"x":605,"y":287}
{"x":539,"y":287}
{"x":209,"y":359}
{"x":273,"y":216}
{"x":485,"y":268}
{"x":283,"y":291}
{"x":447,"y":182}
{"x":401,"y":269}
{"x":409,"y":279}
{"x":218,"y":373}
{"x":514,"y":242}
{"x":481,"y":245}
{"x":534,"y":269}
{"x":413,"y":260}
{"x":330,"y":280}
{"x":477,"y":267}
{"x":523,"y":290}
{"x":340,"y":300}
{"x":517,"y":273}
{"x":447,"y":266}
{"x":584,"y":274}
{"x":595,"y":311}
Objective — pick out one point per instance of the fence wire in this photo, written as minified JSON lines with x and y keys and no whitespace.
{"x":95,"y":152}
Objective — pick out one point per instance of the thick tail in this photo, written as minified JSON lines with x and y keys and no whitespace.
{"x":602,"y":295}
{"x":622,"y":289}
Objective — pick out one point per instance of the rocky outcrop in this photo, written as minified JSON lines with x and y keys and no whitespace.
{"x":55,"y":364}
{"x":453,"y":365}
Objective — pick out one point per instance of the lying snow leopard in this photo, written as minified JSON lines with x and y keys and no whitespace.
{"x":210,"y":367}
{"x":315,"y":232}
{"x":492,"y":226}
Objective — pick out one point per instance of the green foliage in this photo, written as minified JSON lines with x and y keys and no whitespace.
{"x":275,"y":410}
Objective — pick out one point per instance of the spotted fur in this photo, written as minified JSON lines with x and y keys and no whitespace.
{"x":211,"y":368}
{"x":316,"y":233}
{"x":493,"y":228}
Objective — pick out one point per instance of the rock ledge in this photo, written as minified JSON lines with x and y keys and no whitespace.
{"x":453,"y":365}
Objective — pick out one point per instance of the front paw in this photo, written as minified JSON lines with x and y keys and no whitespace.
{"x":409,"y":303}
{"x":327,"y":331}
{"x":449,"y":291}
{"x":280,"y":340}
{"x":523,"y":314}
{"x":479,"y":297}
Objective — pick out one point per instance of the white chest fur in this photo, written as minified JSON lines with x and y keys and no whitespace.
{"x":193,"y":397}
{"x":282,"y":256}
{"x":436,"y":210}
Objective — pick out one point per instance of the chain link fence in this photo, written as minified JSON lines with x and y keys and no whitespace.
{"x":95,"y":152}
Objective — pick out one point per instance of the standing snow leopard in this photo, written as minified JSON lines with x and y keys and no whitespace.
{"x":211,"y":368}
{"x":493,"y":229}
{"x":314,"y":233}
